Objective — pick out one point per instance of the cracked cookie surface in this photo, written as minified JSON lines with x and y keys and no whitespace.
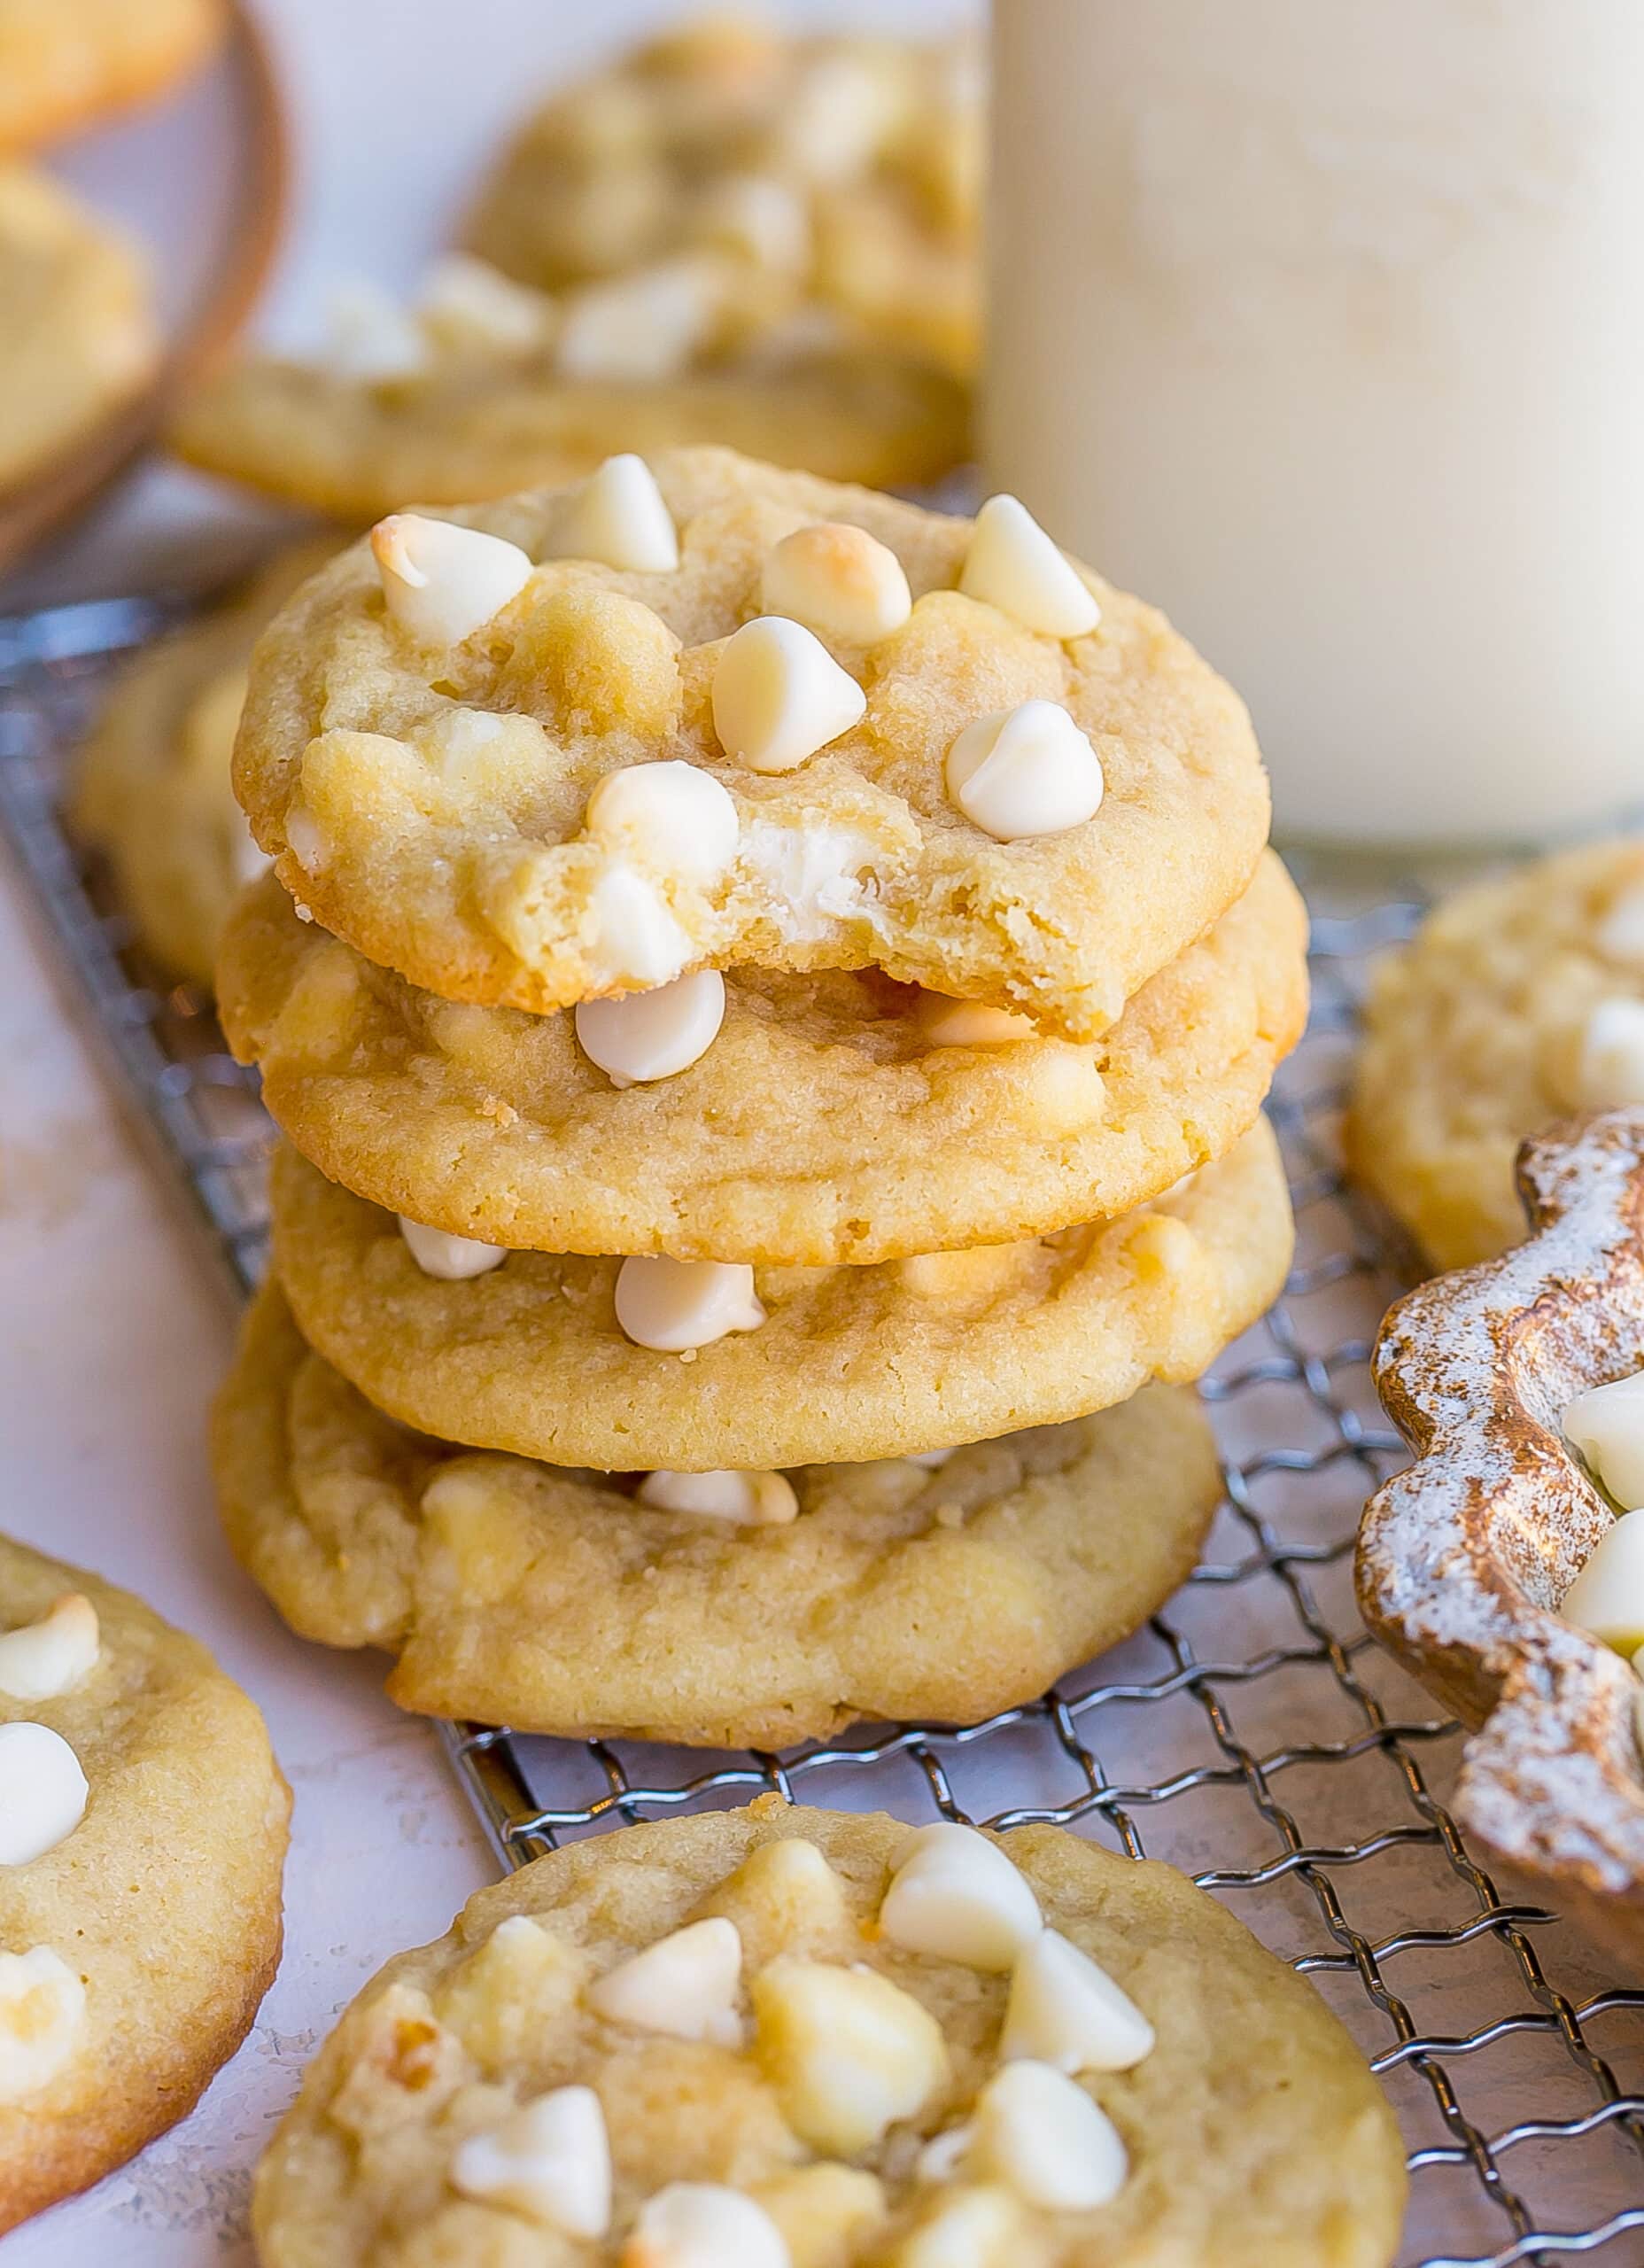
{"x":553,"y":1600}
{"x":849,"y":1362}
{"x":159,"y":1913}
{"x":1252,"y":2131}
{"x":822,"y":1124}
{"x":429,"y":805}
{"x":1480,"y":1032}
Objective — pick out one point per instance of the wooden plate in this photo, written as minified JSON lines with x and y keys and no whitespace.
{"x":232,"y":115}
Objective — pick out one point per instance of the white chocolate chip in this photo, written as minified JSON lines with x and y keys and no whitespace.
{"x":550,"y":2162}
{"x":42,"y":2007}
{"x":641,"y":942}
{"x":744,"y":1499}
{"x":684,"y":1985}
{"x":848,"y":2052}
{"x":248,"y":861}
{"x":1013,"y":564}
{"x":973,"y":2228}
{"x":778,"y":696}
{"x":49,"y":1656}
{"x":654,"y":1035}
{"x":1607,"y":1426}
{"x":929,"y":1460}
{"x":1042,"y":2135}
{"x":1026,"y":771}
{"x":1621,"y":932}
{"x":618,"y":518}
{"x":838,"y":117}
{"x":42,"y":1792}
{"x":370,"y":337}
{"x":1065,"y":2010}
{"x":943,"y":2155}
{"x":1607,"y":1597}
{"x":443,"y":582}
{"x":454,"y":1260}
{"x":673,"y":815}
{"x":699,"y":2224}
{"x":304,"y":837}
{"x":673,"y":1305}
{"x":645,"y":325}
{"x":1609,"y":1069}
{"x":968,"y":1023}
{"x":762,"y":218}
{"x":468,"y":302}
{"x":839,"y":581}
{"x":955,"y":1895}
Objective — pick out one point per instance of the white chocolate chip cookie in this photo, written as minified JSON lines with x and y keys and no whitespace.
{"x":480,"y":2102}
{"x":80,"y":335}
{"x":151,"y":788}
{"x":794,"y":1120}
{"x":722,"y":1610}
{"x":143,"y":1833}
{"x":66,"y":63}
{"x":720,"y":1366}
{"x":1519,"y":1002}
{"x":442,"y":808}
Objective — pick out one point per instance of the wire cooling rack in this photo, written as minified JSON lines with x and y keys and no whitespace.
{"x":1253,"y":1734}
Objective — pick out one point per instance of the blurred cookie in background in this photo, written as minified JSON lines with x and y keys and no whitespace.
{"x":152,"y":792}
{"x":846,"y":170}
{"x":732,"y":237}
{"x":80,"y":335}
{"x":66,"y":63}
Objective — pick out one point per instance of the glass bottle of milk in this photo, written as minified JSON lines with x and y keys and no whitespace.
{"x":1321,"y":323}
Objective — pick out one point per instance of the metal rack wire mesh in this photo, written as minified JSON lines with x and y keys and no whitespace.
{"x":1253,"y":1734}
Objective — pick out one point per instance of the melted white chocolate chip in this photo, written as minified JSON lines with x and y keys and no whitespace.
{"x":674,"y":1304}
{"x":1038,"y":2133}
{"x":454,"y":1260}
{"x":49,"y":1656}
{"x":685,"y":1985}
{"x":42,"y":1792}
{"x":549,"y":2161}
{"x":839,"y":581}
{"x":1013,"y":564}
{"x":1609,"y":1068}
{"x":1607,"y":1426}
{"x":1027,"y":771}
{"x":778,"y":696}
{"x":618,"y":518}
{"x":744,"y":1499}
{"x":443,"y":582}
{"x":1607,"y":1597}
{"x":673,"y":815}
{"x":42,"y":2011}
{"x":655,"y":1035}
{"x":968,"y":1023}
{"x":699,"y":2224}
{"x":849,"y":2053}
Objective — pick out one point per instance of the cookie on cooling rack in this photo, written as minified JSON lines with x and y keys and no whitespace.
{"x":1497,"y":1567}
{"x":704,"y":1364}
{"x":66,"y":62}
{"x":844,"y":174}
{"x":725,"y":1610}
{"x":142,"y":1835}
{"x":544,"y":752}
{"x":795,"y":2039}
{"x":80,"y":335}
{"x":152,"y":789}
{"x":794,"y":1120}
{"x":1519,"y":1002}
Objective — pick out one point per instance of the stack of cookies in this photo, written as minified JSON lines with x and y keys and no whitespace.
{"x":770,"y":993}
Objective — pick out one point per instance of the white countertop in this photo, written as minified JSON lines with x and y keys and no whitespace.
{"x":114,"y":1326}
